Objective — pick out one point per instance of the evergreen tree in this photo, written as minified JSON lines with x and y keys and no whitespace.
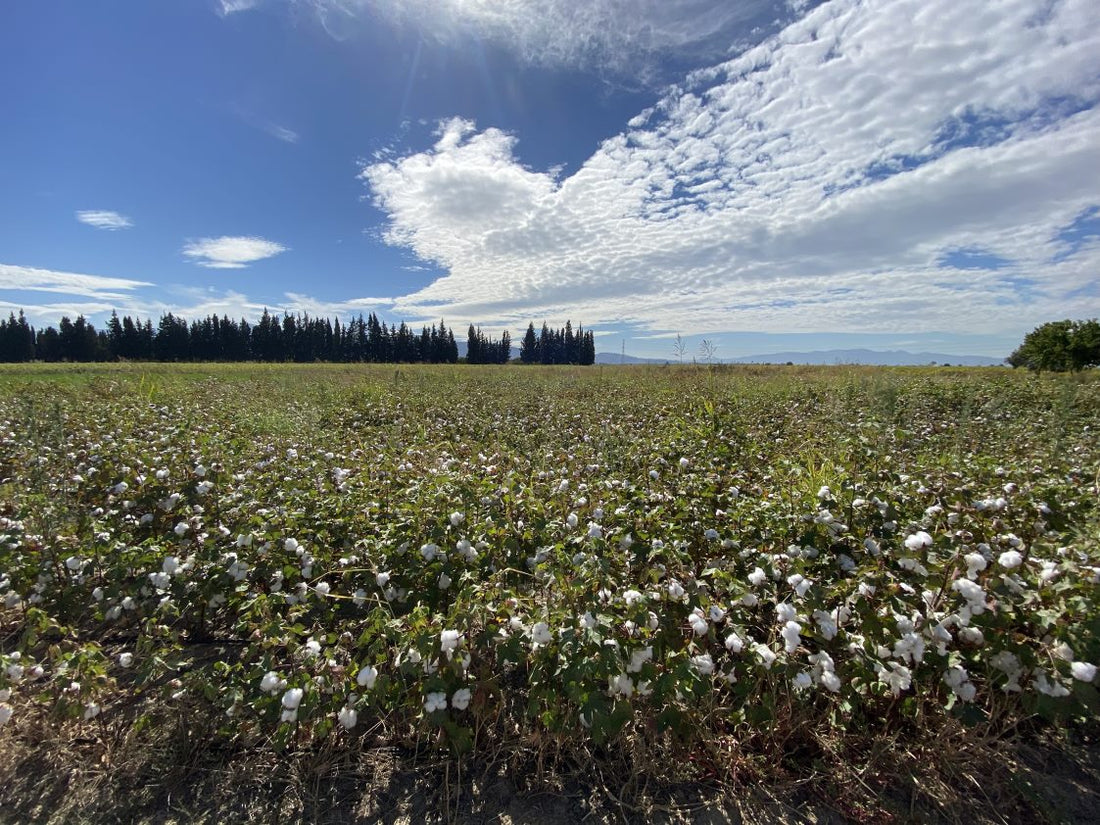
{"x":529,"y":349}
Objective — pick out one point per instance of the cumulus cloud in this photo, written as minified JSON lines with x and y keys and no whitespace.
{"x":104,"y":219}
{"x":231,"y":251}
{"x":816,"y":182}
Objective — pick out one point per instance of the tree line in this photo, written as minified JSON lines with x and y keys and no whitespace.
{"x":558,"y":346}
{"x":298,"y":338}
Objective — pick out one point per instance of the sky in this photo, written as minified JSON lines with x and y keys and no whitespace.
{"x":768,"y":176}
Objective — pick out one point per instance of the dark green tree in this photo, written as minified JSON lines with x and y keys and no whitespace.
{"x":1059,"y":346}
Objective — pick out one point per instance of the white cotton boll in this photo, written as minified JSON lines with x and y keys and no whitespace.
{"x":826,"y":624}
{"x":429,"y":551}
{"x":312,"y":648}
{"x":125,"y":659}
{"x":830,"y":681}
{"x":466,"y":550}
{"x":800,"y":584}
{"x":785,"y":612}
{"x":972,"y":636}
{"x":765,"y":654}
{"x":684,"y":463}
{"x":1010,"y":559}
{"x":74,"y":563}
{"x":348,"y":718}
{"x":918,"y":540}
{"x":757,"y":577}
{"x":676,"y":590}
{"x":652,"y":622}
{"x":449,"y":640}
{"x":456,"y":519}
{"x":711,"y":534}
{"x":444,"y":581}
{"x":975,"y":563}
{"x":292,"y":698}
{"x":594,"y":530}
{"x":697,"y":622}
{"x":571,"y":520}
{"x":866,"y":590}
{"x":1083,"y":671}
{"x":898,"y":677}
{"x":716,"y":614}
{"x":734,"y":643}
{"x":620,"y":685}
{"x":461,"y":699}
{"x":367,"y":677}
{"x":270,"y":682}
{"x":632,"y":596}
{"x":972,"y":592}
{"x":638,"y":658}
{"x":803,"y":680}
{"x":435,"y":701}
{"x":1053,"y":689}
{"x":703,"y":664}
{"x":540,"y":634}
{"x":791,"y":638}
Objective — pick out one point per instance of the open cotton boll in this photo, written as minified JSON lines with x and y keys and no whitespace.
{"x":540,"y":634}
{"x":703,"y":664}
{"x":348,"y":718}
{"x":435,"y":701}
{"x":791,"y":638}
{"x":1083,"y":671}
{"x":765,"y":654}
{"x":1010,"y":559}
{"x":292,"y":698}
{"x":367,"y":677}
{"x":461,"y":699}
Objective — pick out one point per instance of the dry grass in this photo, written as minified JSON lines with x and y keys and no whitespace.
{"x":177,"y":768}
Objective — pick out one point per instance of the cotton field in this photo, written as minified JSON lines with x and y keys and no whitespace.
{"x":464,"y":556}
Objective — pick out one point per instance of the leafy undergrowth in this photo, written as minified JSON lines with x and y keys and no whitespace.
{"x":874,"y":590}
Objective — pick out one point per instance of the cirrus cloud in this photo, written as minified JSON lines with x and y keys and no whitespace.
{"x":103,"y":219}
{"x":231,"y":251}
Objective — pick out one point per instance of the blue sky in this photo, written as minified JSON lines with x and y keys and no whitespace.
{"x":768,"y":175}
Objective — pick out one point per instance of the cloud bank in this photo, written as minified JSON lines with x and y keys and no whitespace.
{"x":842,"y":176}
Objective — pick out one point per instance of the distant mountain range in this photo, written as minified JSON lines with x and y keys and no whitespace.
{"x":893,"y":358}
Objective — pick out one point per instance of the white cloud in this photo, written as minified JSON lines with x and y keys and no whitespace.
{"x":814,"y":183}
{"x":230,"y":251}
{"x":281,"y":133}
{"x":104,"y":219}
{"x":228,"y":7}
{"x":98,"y":287}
